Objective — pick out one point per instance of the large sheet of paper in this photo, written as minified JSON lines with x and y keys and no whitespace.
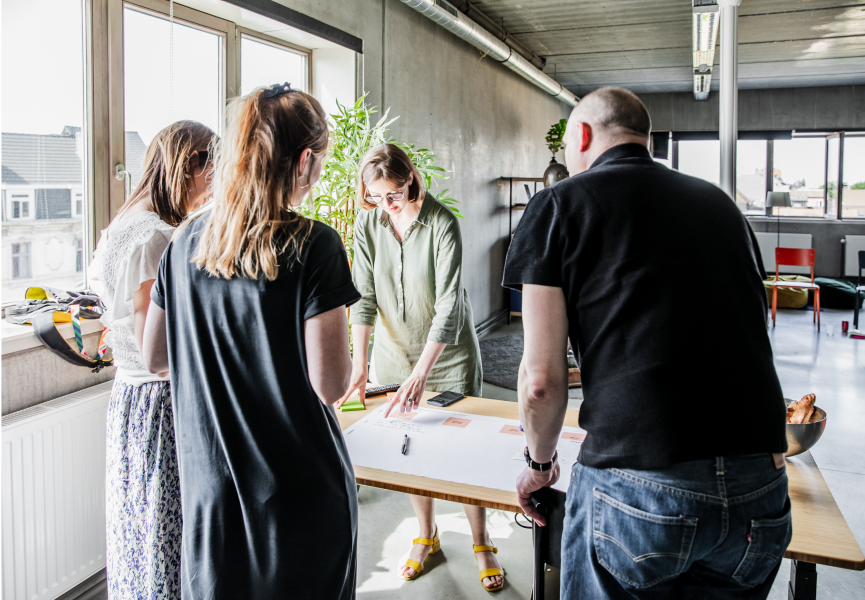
{"x":452,"y":446}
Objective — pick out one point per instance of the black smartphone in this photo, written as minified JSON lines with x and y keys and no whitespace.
{"x":445,"y":399}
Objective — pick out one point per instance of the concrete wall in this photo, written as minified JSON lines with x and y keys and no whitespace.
{"x":33,"y":376}
{"x":820,"y":108}
{"x":826,"y":236}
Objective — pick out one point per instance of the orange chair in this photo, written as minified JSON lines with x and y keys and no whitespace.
{"x":795,"y":257}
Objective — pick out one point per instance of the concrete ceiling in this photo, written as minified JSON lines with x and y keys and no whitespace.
{"x":645,"y":45}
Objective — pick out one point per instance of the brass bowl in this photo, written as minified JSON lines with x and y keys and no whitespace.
{"x":802,"y":437}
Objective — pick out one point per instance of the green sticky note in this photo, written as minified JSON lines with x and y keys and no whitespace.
{"x":352,"y":404}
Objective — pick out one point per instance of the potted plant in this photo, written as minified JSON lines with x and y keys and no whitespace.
{"x":555,"y":141}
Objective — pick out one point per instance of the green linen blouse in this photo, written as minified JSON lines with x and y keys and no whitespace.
{"x":412,"y":292}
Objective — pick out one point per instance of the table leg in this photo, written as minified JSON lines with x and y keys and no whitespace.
{"x":803,"y":581}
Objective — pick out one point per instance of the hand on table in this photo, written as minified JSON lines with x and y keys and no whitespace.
{"x":531,"y":481}
{"x":411,"y":389}
{"x":359,"y":376}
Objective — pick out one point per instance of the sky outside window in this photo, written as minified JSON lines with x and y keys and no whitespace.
{"x":262,"y":65}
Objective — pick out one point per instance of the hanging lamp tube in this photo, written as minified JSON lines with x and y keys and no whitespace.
{"x":463,"y":27}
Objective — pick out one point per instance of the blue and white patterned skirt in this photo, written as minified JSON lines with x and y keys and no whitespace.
{"x":143,"y":519}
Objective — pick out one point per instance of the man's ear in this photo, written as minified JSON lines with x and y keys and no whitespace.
{"x":584,"y":136}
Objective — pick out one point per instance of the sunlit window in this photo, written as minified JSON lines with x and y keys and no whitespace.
{"x":751,"y":176}
{"x":853,"y":198}
{"x":701,"y":158}
{"x":799,"y":168}
{"x":263,"y":64}
{"x":43,"y":149}
{"x":161,"y":86}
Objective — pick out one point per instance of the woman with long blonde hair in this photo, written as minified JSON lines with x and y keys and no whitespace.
{"x":143,"y":513}
{"x":249,"y":315}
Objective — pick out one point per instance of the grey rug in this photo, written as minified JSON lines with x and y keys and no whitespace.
{"x":501,"y":358}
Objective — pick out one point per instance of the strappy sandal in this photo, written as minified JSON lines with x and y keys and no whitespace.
{"x":418,"y":567}
{"x":489,"y":572}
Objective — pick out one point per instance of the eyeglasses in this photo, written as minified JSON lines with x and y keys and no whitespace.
{"x":393,"y":197}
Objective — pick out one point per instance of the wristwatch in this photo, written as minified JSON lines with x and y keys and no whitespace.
{"x":540,"y":466}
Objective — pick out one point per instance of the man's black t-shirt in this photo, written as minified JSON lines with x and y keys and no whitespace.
{"x":666,"y":309}
{"x":267,"y":488}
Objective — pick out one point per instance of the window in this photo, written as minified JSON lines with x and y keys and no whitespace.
{"x":264,"y":63}
{"x":751,"y":176}
{"x":161,"y":88}
{"x":44,"y":153}
{"x":853,"y":194}
{"x":799,"y":168}
{"x":77,"y":203}
{"x":701,"y":159}
{"x":833,"y":175}
{"x":20,"y":204}
{"x":79,"y":256}
{"x":21,"y":260}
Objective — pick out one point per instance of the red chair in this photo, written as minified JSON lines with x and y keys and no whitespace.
{"x":795,"y":257}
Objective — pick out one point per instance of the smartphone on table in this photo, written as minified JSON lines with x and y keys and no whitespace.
{"x":445,"y":399}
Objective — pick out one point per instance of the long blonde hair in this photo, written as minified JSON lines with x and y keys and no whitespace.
{"x":255,"y":178}
{"x":165,"y":179}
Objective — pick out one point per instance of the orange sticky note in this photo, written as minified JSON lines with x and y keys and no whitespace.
{"x":454,"y":422}
{"x":573,"y":436}
{"x":401,"y":415}
{"x":511,"y":429}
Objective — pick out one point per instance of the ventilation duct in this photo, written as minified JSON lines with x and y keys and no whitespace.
{"x":705,"y":34}
{"x":460,"y":25}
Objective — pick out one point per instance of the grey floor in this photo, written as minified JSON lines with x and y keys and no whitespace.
{"x":832,"y":367}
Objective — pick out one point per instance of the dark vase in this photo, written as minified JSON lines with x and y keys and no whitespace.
{"x":554,"y":173}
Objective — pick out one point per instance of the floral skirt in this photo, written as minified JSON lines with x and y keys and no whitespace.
{"x":143,"y":519}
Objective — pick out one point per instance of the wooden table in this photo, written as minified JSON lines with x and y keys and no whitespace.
{"x":820,"y":533}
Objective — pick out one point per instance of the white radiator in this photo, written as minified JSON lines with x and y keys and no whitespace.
{"x":852,"y":245}
{"x":769,"y":241}
{"x":53,"y":494}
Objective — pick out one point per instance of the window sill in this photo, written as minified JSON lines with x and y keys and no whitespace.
{"x":21,"y":337}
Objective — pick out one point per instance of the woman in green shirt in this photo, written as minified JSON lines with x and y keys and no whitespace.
{"x":408,"y":268}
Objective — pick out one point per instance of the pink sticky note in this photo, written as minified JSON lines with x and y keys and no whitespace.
{"x":511,"y":429}
{"x":400,"y":415}
{"x":567,"y":435}
{"x":454,"y":422}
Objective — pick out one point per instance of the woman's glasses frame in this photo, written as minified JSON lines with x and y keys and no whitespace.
{"x":393,"y":197}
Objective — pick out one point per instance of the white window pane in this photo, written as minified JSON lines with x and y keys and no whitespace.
{"x":853,"y":200}
{"x":701,"y":159}
{"x":43,"y":151}
{"x":751,"y":176}
{"x":798,"y":167}
{"x":833,"y":154}
{"x":153,"y":99}
{"x":262,"y":65}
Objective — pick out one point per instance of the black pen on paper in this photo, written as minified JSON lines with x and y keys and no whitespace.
{"x":404,"y":444}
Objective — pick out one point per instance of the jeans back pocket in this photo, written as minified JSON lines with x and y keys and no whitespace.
{"x":767,"y":541}
{"x":639,"y":548}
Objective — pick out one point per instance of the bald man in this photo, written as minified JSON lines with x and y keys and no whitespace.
{"x":680,"y":489}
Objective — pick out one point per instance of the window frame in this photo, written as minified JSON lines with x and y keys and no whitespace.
{"x":12,"y":194}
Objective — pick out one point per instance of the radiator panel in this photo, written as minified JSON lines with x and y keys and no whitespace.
{"x":853,"y":244}
{"x":53,"y":494}
{"x":769,"y":241}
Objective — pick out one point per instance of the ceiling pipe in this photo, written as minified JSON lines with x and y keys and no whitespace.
{"x":499,"y":31}
{"x":446,"y":15}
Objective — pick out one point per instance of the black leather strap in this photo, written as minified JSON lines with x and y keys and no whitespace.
{"x":46,"y":331}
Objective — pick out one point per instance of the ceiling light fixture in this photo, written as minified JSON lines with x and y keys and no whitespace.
{"x":704,"y":30}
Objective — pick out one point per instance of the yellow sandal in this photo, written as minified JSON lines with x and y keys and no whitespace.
{"x":418,"y":567}
{"x":489,"y":572}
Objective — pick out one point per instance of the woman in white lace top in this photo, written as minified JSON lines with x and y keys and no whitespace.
{"x":143,"y":517}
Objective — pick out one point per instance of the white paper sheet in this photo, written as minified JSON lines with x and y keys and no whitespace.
{"x":452,"y":446}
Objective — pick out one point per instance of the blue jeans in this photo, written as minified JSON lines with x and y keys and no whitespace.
{"x":702,"y":529}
